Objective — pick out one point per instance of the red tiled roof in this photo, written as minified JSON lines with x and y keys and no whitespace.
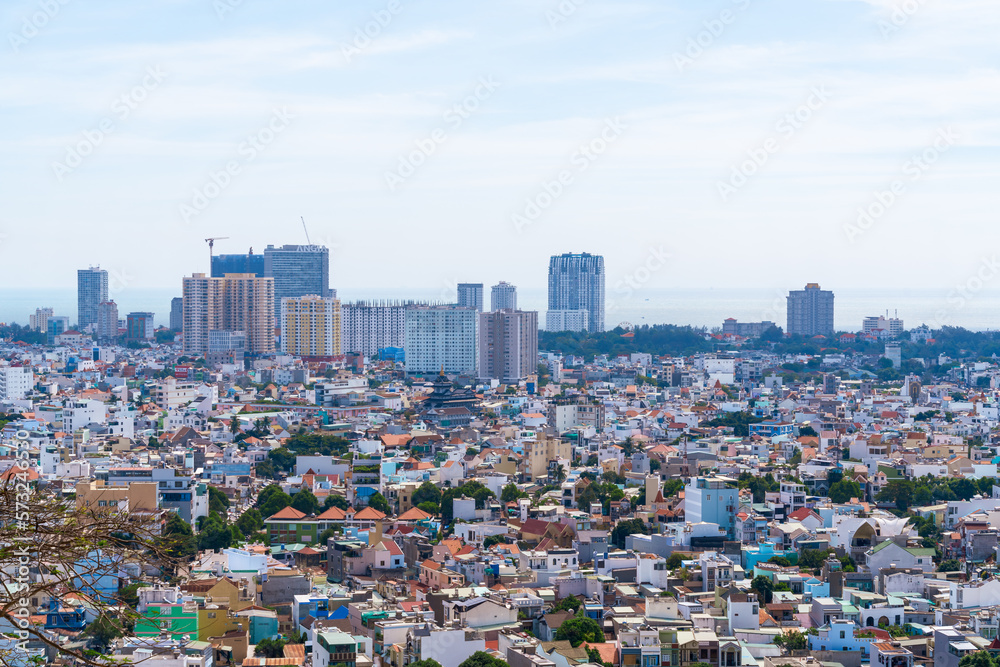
{"x":288,"y":513}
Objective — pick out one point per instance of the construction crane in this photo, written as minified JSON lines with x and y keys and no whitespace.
{"x":211,"y":253}
{"x":305,"y":230}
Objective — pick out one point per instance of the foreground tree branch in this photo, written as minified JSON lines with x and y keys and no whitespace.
{"x":51,"y":549}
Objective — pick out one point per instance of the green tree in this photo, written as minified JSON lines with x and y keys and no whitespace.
{"x":430,"y":507}
{"x":178,"y":538}
{"x":270,"y":648}
{"x":274,"y":502}
{"x":427,"y":492}
{"x":963,"y":488}
{"x":738,"y":421}
{"x":217,"y":501}
{"x":282,"y":458}
{"x":898,"y":491}
{"x":102,"y":631}
{"x":950,"y":565}
{"x":430,"y":662}
{"x":378,"y":502}
{"x":568,"y":603}
{"x":808,"y":431}
{"x":214,"y":533}
{"x":250,"y":522}
{"x":780,"y":560}
{"x":492,"y":540}
{"x":844,"y":490}
{"x":580,"y":629}
{"x":764,"y":588}
{"x":792,"y":640}
{"x":334,"y":500}
{"x":510,"y":493}
{"x":594,"y":657}
{"x":305,"y":501}
{"x":266,"y":469}
{"x":625,"y":528}
{"x":482,"y":659}
{"x":812,"y":559}
{"x":978,"y":659}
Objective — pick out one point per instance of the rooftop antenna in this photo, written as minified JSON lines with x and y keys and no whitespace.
{"x":305,"y":230}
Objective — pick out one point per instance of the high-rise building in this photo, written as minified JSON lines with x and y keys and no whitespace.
{"x":310,"y":326}
{"x":56,"y":326}
{"x":107,"y":322}
{"x":369,"y":326}
{"x":91,"y":290}
{"x":238,"y":263}
{"x":576,"y":282}
{"x":810,"y":311}
{"x":441,"y":338}
{"x":508,"y":345}
{"x":235,"y":302}
{"x":470,"y":295}
{"x":177,"y":313}
{"x":887,"y":327}
{"x":567,"y":320}
{"x":503,"y":296}
{"x":40,"y":320}
{"x":298,"y":270}
{"x":139,"y":326}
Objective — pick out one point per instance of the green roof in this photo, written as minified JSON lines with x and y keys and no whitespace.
{"x":914,"y":551}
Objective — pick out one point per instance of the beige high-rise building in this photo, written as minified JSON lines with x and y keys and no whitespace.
{"x":508,"y":344}
{"x":234,"y":302}
{"x":310,"y":326}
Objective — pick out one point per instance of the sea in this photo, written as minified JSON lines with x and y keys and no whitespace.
{"x":979,"y":311}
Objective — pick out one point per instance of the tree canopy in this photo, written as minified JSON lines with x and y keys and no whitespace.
{"x":580,"y":629}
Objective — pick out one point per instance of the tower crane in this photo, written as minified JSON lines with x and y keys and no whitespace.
{"x":211,"y":244}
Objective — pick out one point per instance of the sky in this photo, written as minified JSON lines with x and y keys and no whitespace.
{"x":722,"y":143}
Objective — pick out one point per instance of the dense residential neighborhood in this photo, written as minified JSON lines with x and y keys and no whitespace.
{"x":736,"y":508}
{"x":664,"y":496}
